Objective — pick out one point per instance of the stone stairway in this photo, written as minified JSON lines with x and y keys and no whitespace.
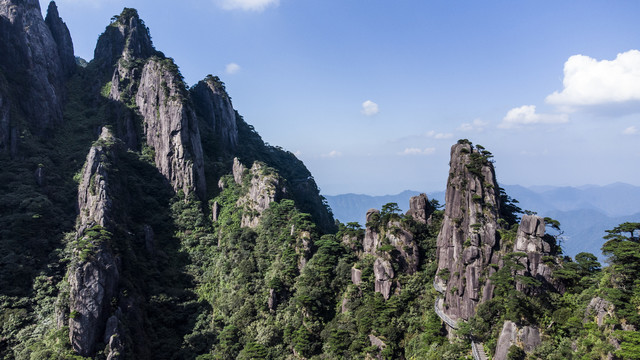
{"x":477,"y":349}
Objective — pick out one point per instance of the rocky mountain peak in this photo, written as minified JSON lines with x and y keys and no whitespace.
{"x":33,"y":68}
{"x":62,"y":37}
{"x":214,"y":105}
{"x":468,"y":240}
{"x":127,"y":37}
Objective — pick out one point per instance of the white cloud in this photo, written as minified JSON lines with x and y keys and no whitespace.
{"x":526,"y":115}
{"x":476,"y":125}
{"x":248,"y":5}
{"x":297,"y":153}
{"x":631,"y":130}
{"x":332,"y":154}
{"x":435,"y":135}
{"x":418,"y":151}
{"x":232,"y":68}
{"x":369,"y":108}
{"x":588,"y":81}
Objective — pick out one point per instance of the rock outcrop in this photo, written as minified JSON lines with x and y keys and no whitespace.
{"x":171,"y":127}
{"x":393,"y":246}
{"x":468,"y":240}
{"x":527,"y":338}
{"x":213,"y":104}
{"x":8,"y":133}
{"x":598,"y":309}
{"x":33,"y":70}
{"x":126,"y":39}
{"x":264,"y":188}
{"x":62,"y":37}
{"x":142,"y":77}
{"x":419,"y":208}
{"x":94,"y":274}
{"x":530,"y":240}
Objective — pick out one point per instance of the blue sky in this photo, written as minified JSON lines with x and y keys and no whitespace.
{"x":371,"y":94}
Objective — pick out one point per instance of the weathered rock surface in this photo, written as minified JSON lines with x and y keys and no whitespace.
{"x":530,"y":240}
{"x":598,"y":309}
{"x":126,"y":38}
{"x":405,"y":245}
{"x":403,"y":251}
{"x":238,"y":171}
{"x":94,"y":277}
{"x":468,"y":240}
{"x":94,"y":200}
{"x":356,"y":276}
{"x":420,"y":208}
{"x":527,"y":337}
{"x":141,"y":75}
{"x":62,"y":37}
{"x":384,"y":274}
{"x":213,"y":104}
{"x":32,"y":67}
{"x":264,"y":188}
{"x":8,"y":133}
{"x":171,"y":127}
{"x":371,"y":236}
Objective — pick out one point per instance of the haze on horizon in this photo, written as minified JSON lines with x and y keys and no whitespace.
{"x":371,"y":95}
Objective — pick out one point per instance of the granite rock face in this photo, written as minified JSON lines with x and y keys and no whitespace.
{"x":598,"y":309}
{"x":530,"y":240}
{"x":384,"y":274}
{"x":8,"y":133}
{"x":171,"y":127}
{"x":527,"y":338}
{"x":126,"y":39}
{"x":420,"y":208}
{"x":393,"y":246}
{"x":94,"y":276}
{"x":140,"y":75}
{"x":32,"y":67}
{"x":62,"y":37}
{"x":213,"y":104}
{"x":468,"y":240}
{"x":264,"y":188}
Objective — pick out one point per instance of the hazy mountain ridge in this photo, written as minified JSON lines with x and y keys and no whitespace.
{"x":584,"y":212}
{"x":185,"y":236}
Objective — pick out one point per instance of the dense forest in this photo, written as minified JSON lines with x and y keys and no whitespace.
{"x":144,"y":219}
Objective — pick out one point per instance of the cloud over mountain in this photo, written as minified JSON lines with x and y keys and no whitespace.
{"x":588,"y":81}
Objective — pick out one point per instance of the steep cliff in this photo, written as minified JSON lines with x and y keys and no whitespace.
{"x":8,"y":133}
{"x":33,"y":69}
{"x":263,"y":187}
{"x":126,"y":38}
{"x":171,"y":127}
{"x":62,"y":37}
{"x":94,"y":274}
{"x":213,"y":104}
{"x":157,"y":101}
{"x":391,"y":242}
{"x":540,"y":252}
{"x":468,"y":241}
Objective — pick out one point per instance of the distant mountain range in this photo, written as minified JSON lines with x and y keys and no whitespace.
{"x":584,"y":212}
